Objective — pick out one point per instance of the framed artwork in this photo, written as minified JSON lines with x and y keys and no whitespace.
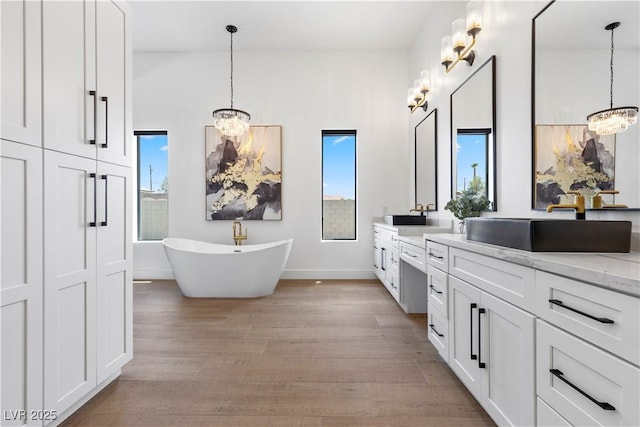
{"x":243,"y":175}
{"x":571,"y":157}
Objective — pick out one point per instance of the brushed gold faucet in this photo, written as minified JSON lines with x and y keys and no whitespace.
{"x":238,"y":237}
{"x":578,"y":205}
{"x":596,"y":201}
{"x":421,"y":208}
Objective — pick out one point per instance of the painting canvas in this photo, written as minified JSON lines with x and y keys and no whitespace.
{"x":571,"y":158}
{"x":244,"y":174}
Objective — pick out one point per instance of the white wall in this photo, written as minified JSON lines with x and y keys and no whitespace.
{"x":506,"y":33}
{"x":305,"y":92}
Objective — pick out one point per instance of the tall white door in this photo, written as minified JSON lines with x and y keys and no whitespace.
{"x":70,"y":100}
{"x":21,"y":282}
{"x":70,"y":217}
{"x":114,"y":88}
{"x":21,"y":72}
{"x":114,"y":269}
{"x":464,"y":301}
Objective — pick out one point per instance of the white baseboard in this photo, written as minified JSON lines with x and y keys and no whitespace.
{"x":152,"y":275}
{"x":327,"y":274}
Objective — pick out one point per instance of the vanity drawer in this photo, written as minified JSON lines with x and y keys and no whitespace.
{"x":412,"y":254}
{"x":392,"y":285}
{"x":548,"y":417}
{"x":438,"y":331}
{"x":394,"y":261}
{"x":437,"y":255}
{"x":437,"y":290}
{"x":605,"y":318}
{"x":388,"y":235}
{"x":578,"y":365}
{"x":512,"y":282}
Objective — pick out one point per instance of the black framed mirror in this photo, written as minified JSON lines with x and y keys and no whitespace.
{"x":570,"y":79}
{"x":426,"y":165}
{"x":473,"y":133}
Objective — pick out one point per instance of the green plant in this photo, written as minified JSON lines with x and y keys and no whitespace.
{"x":469,"y":203}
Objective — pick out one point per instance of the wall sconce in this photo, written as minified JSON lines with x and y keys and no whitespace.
{"x":417,"y":95}
{"x":455,"y":45}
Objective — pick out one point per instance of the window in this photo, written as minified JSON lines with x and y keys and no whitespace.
{"x":472,"y":158}
{"x":338,"y":185}
{"x":153,"y":185}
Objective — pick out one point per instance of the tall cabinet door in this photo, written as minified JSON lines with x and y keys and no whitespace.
{"x":70,"y":278}
{"x":508,"y":382}
{"x":113,"y":60}
{"x":21,"y":282}
{"x":21,"y":72}
{"x":70,"y":99}
{"x":464,"y":301}
{"x":114,"y":285}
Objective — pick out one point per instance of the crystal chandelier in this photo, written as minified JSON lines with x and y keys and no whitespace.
{"x":613,"y":120}
{"x":229,"y":121}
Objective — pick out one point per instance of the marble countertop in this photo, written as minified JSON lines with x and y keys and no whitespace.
{"x":414,"y":240}
{"x":435,"y":226}
{"x":616,"y":271}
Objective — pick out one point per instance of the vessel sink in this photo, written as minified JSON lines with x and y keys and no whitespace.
{"x":405,"y":219}
{"x":551,"y":235}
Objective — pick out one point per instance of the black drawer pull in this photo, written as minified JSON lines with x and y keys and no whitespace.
{"x":95,"y":202}
{"x":432,"y":255}
{"x":471,"y":307}
{"x":433,"y":328}
{"x":435,"y":289}
{"x":481,"y":364}
{"x":603,"y":405}
{"x":106,"y":198}
{"x":95,"y":115}
{"x":599,"y":319}
{"x":105,"y":144}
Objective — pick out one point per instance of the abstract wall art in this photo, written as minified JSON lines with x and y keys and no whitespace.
{"x":571,"y":158}
{"x":243,"y":175}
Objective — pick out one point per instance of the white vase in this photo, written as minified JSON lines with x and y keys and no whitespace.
{"x":461,"y":226}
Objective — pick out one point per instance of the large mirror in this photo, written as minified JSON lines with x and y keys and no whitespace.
{"x":473,"y":136}
{"x":571,"y":78}
{"x":426,"y":185}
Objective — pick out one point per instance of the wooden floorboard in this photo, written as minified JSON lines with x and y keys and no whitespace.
{"x":335,"y":353}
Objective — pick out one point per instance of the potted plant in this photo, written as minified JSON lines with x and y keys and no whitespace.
{"x":470,"y":203}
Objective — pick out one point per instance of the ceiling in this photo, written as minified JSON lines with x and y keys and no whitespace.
{"x":184,"y":26}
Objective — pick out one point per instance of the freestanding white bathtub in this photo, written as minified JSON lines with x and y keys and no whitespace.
{"x":209,"y":270}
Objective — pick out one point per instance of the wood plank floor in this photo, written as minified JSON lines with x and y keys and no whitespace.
{"x":336,"y":353}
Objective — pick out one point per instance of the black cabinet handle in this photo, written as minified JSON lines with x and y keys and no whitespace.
{"x":603,"y":405}
{"x":106,"y":197}
{"x":435,"y":289}
{"x":95,"y":114}
{"x":432,"y":255}
{"x":382,"y":257}
{"x":471,"y":307}
{"x":599,"y":319}
{"x":105,"y":144}
{"x":433,"y":328}
{"x":481,"y":364}
{"x":95,"y":203}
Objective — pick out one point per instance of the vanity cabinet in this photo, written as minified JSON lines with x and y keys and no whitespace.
{"x":533,"y":346}
{"x":386,"y":259}
{"x":437,"y":260}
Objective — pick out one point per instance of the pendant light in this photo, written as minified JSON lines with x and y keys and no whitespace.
{"x":613,"y":120}
{"x":230,"y":121}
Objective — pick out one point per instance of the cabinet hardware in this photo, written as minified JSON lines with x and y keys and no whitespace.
{"x":105,"y":144}
{"x":410,"y":254}
{"x":432,"y":255}
{"x":599,"y":319}
{"x":382,"y":256}
{"x":435,"y":289}
{"x":106,"y":197}
{"x":95,"y":115}
{"x":433,"y":328}
{"x":471,"y":307}
{"x":603,"y":405}
{"x":95,"y":202}
{"x":481,"y":364}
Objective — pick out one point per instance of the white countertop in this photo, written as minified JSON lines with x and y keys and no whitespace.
{"x":437,"y":226}
{"x":616,"y":271}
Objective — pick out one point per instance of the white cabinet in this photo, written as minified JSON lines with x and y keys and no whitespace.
{"x":88,"y":328}
{"x":86,"y":64}
{"x":492,"y":352}
{"x":21,"y":72}
{"x":21,"y":282}
{"x":387,"y":260}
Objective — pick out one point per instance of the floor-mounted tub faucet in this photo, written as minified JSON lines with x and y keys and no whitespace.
{"x":238,"y":237}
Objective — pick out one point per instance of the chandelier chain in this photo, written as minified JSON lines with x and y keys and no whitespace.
{"x":232,"y":68}
{"x":611,"y":68}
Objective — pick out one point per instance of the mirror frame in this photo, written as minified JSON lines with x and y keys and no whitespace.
{"x":533,"y":116}
{"x":433,"y":112}
{"x":491,"y":166}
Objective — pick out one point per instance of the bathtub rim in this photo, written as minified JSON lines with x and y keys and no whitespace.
{"x":202,"y":247}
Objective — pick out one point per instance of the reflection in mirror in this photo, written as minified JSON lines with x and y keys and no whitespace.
{"x":570,"y":80}
{"x":473,"y":134}
{"x":426,"y":132}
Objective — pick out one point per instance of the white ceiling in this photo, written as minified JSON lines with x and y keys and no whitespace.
{"x":175,"y":25}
